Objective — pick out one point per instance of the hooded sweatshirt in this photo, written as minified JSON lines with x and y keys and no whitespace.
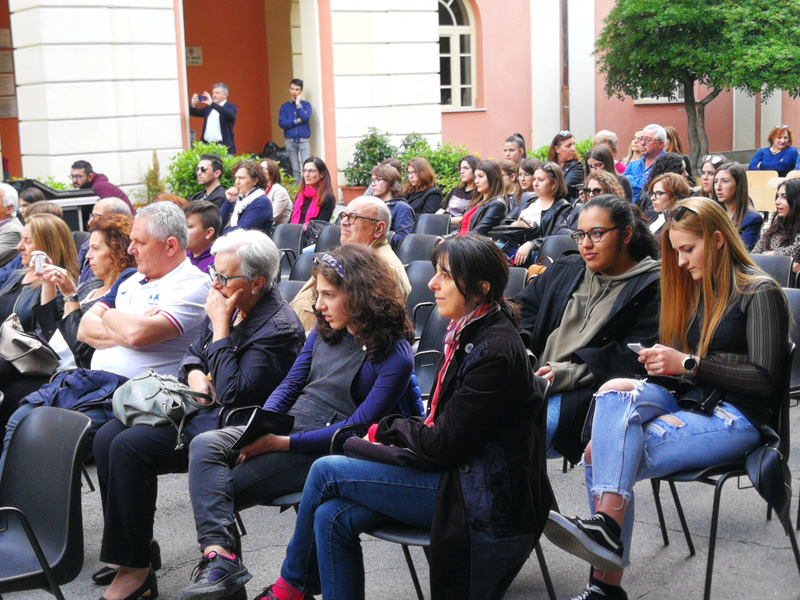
{"x":587,"y":311}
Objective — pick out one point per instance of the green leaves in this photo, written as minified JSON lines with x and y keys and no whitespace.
{"x":369,"y":152}
{"x":182,"y":176}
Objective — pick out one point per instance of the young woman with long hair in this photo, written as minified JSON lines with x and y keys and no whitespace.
{"x":562,"y":152}
{"x":315,"y":198}
{"x":711,"y":162}
{"x":599,"y":158}
{"x":724,"y":329}
{"x":457,"y":199}
{"x":511,"y":184}
{"x":421,"y":192}
{"x":730,"y":188}
{"x":549,"y":213}
{"x":356,"y":367}
{"x":387,"y":185}
{"x":488,"y":206}
{"x":480,"y":433}
{"x":525,"y":178}
{"x":783,"y":236}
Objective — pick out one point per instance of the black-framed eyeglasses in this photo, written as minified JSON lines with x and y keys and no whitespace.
{"x":202,"y":169}
{"x":352,"y":218}
{"x":377,"y":179}
{"x":713,"y":159}
{"x":676,"y":214}
{"x":592,"y":192}
{"x":595,"y":234}
{"x":223,"y":279}
{"x":658,"y":195}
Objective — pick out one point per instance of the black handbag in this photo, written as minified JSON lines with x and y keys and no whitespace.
{"x":313,"y":229}
{"x":769,"y":472}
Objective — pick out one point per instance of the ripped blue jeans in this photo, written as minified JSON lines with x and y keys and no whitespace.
{"x":643,"y":434}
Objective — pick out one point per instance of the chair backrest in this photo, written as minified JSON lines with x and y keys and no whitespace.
{"x":782,"y":424}
{"x":329,"y":237}
{"x":432,"y":224}
{"x":289,"y":289}
{"x":792,"y":174}
{"x":430,"y":348}
{"x":416,"y":246}
{"x":419,"y":274}
{"x":301,"y":269}
{"x":763,"y":197}
{"x":79,"y":237}
{"x":777,"y":267}
{"x":553,"y":247}
{"x":42,"y":478}
{"x":776,"y":182}
{"x":759,"y":178}
{"x":288,"y":237}
{"x":517,"y":276}
{"x":794,"y":335}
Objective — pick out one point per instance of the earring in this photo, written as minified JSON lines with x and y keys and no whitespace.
{"x":254,"y":293}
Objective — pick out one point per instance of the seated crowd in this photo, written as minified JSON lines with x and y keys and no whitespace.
{"x":650,"y":303}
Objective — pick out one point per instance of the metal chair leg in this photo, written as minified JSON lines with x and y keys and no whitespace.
{"x":88,"y":479}
{"x":712,"y":541}
{"x":684,"y":525}
{"x":551,"y":592}
{"x":413,"y":572}
{"x":564,"y":467}
{"x":795,"y":550}
{"x":656,"y":485}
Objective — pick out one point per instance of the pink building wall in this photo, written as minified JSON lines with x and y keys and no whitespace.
{"x":503,"y":81}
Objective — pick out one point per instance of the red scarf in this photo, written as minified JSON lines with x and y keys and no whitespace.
{"x":464,"y":230}
{"x":451,"y":345}
{"x":310,"y":195}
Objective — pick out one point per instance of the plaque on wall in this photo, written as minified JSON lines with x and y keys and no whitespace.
{"x":194,"y":56}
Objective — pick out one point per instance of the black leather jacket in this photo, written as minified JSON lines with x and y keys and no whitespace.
{"x":488,"y":216}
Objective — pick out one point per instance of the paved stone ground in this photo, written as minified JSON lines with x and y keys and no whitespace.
{"x":754,"y":558}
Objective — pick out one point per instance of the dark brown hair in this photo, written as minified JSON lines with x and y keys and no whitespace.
{"x":425,"y":172}
{"x":116,"y":230}
{"x":273,"y":170}
{"x":324,"y":187}
{"x":253,"y":170}
{"x":391,"y":175}
{"x":374,"y":300}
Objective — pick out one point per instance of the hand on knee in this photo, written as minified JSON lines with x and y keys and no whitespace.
{"x":618,"y":385}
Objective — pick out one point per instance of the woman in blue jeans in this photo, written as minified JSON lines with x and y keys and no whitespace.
{"x":476,"y":476}
{"x":710,"y":386}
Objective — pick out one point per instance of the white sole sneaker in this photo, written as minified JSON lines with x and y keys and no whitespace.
{"x":562,"y":532}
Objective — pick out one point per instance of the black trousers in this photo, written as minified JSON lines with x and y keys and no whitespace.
{"x":15,"y":386}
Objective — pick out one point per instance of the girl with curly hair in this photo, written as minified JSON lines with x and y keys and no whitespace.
{"x":355,"y":368}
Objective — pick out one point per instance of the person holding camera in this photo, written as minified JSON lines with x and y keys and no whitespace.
{"x":219,"y":116}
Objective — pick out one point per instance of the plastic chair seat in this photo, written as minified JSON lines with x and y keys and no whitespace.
{"x":402,"y":534}
{"x":286,"y":501}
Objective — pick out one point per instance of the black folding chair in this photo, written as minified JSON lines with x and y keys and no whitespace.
{"x":41,"y":538}
{"x":794,"y":334}
{"x":517,"y":277}
{"x":777,"y":267}
{"x":421,"y":299}
{"x":288,"y":238}
{"x":429,"y":350}
{"x":718,"y":475}
{"x":553,"y":247}
{"x":301,"y":269}
{"x":330,"y":237}
{"x":432,"y":224}
{"x":290,"y":288}
{"x":416,"y":246}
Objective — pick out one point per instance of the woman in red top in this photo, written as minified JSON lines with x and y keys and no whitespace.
{"x":488,"y":207}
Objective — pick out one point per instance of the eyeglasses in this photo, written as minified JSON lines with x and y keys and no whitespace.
{"x":223,"y":279}
{"x":310,"y":171}
{"x":352,"y":218}
{"x":595,"y":234}
{"x":78,"y":177}
{"x":677,"y":214}
{"x":646,"y":140}
{"x":202,"y":169}
{"x":713,"y":159}
{"x":377,"y":179}
{"x":592,"y":192}
{"x":658,"y":195}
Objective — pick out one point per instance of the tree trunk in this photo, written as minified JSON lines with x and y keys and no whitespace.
{"x":695,"y":151}
{"x":701,"y":120}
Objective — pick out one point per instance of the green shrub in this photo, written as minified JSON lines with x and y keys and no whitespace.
{"x":182,"y":176}
{"x":49,"y":181}
{"x":372,"y":150}
{"x":287,"y":181}
{"x":445,"y":159}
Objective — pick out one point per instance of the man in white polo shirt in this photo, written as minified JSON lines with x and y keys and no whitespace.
{"x":157,"y":312}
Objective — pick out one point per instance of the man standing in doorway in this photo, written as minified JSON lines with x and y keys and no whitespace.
{"x":219,"y":116}
{"x":293,"y":119}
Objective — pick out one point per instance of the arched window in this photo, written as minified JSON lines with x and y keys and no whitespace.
{"x":456,"y":54}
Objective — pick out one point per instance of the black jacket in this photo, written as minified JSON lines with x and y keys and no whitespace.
{"x":487,"y":216}
{"x":426,"y":202}
{"x":634,"y":318}
{"x":248,"y":364}
{"x":494,"y":495}
{"x":573,"y":176}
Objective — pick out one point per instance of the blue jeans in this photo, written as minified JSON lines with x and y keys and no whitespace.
{"x":97,"y":414}
{"x":298,"y":153}
{"x":553,"y":412}
{"x":342,"y":498}
{"x":643,"y":434}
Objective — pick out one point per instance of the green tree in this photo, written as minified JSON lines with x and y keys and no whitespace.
{"x":650,"y":47}
{"x":182,"y":176}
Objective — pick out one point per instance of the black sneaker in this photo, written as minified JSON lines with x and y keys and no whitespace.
{"x":216,"y":577}
{"x":589,"y":539}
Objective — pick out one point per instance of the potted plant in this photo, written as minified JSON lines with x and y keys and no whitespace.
{"x":373,"y":149}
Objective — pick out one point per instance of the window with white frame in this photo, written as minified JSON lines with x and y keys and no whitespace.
{"x":456,"y":54}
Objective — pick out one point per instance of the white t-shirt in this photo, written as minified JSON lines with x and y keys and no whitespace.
{"x":213,"y":128}
{"x":180,"y":296}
